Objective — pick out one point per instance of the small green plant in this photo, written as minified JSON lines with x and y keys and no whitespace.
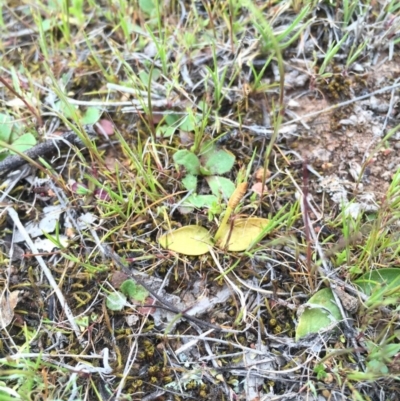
{"x":12,"y":133}
{"x":172,"y":122}
{"x":320,"y":371}
{"x":89,"y":117}
{"x":380,"y":356}
{"x":242,"y":234}
{"x":211,"y":164}
{"x":129,"y":290}
{"x":382,"y":286}
{"x":77,"y":11}
{"x":194,"y":375}
{"x":382,"y":361}
{"x":133,"y":290}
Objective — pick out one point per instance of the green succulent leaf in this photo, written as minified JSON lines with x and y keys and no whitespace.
{"x":207,"y":148}
{"x":243,"y":233}
{"x":189,"y":123}
{"x":200,"y":201}
{"x":147,"y":6}
{"x":171,"y":124}
{"x":24,"y":142}
{"x":190,"y":182}
{"x":379,"y":284}
{"x":189,"y":240}
{"x":133,"y":290}
{"x":66,"y":109}
{"x":221,"y":186}
{"x":204,"y":171}
{"x":6,"y":126}
{"x":172,"y":119}
{"x":321,"y":312}
{"x":145,"y":76}
{"x":189,"y":160}
{"x":91,"y":116}
{"x":116,"y":301}
{"x":219,"y":162}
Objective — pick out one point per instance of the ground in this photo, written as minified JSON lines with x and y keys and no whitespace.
{"x":199,"y":200}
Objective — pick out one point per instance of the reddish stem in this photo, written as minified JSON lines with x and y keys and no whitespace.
{"x":29,"y":106}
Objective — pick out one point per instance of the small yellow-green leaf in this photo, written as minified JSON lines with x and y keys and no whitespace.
{"x":187,"y":159}
{"x":244,"y":233}
{"x":188,"y":240}
{"x":379,"y":284}
{"x":116,"y":301}
{"x":6,"y":126}
{"x":91,"y":116}
{"x":24,"y":142}
{"x":321,"y":312}
{"x":221,"y":186}
{"x":133,"y":290}
{"x":219,"y":162}
{"x":386,"y":278}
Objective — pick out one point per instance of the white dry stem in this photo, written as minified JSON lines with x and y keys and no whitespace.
{"x":137,"y":104}
{"x":132,"y":91}
{"x":231,"y":283}
{"x":325,"y":268}
{"x":192,"y":343}
{"x":390,"y":110}
{"x":215,"y":340}
{"x":13,"y":180}
{"x":68,"y":313}
{"x":129,"y":363}
{"x":81,"y":367}
{"x":271,"y":371}
{"x":222,"y":356}
{"x":12,"y":393}
{"x":346,"y":103}
{"x":64,"y":204}
{"x":254,"y":382}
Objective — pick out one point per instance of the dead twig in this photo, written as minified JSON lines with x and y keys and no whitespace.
{"x":68,"y":312}
{"x":46,"y":147}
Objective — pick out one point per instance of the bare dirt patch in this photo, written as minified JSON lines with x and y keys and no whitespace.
{"x":346,"y":145}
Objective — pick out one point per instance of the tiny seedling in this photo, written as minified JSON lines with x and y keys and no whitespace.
{"x":171,"y":122}
{"x":134,"y":291}
{"x":129,"y":290}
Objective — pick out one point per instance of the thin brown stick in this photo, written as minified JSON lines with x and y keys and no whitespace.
{"x":28,"y":105}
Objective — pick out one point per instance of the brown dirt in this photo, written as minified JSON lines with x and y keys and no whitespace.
{"x":345,"y":146}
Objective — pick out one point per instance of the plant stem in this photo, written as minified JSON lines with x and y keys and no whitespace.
{"x":233,"y":202}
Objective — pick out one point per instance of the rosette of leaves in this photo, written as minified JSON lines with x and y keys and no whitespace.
{"x":211,"y":163}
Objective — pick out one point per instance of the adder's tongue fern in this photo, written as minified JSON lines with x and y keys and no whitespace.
{"x":233,"y":202}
